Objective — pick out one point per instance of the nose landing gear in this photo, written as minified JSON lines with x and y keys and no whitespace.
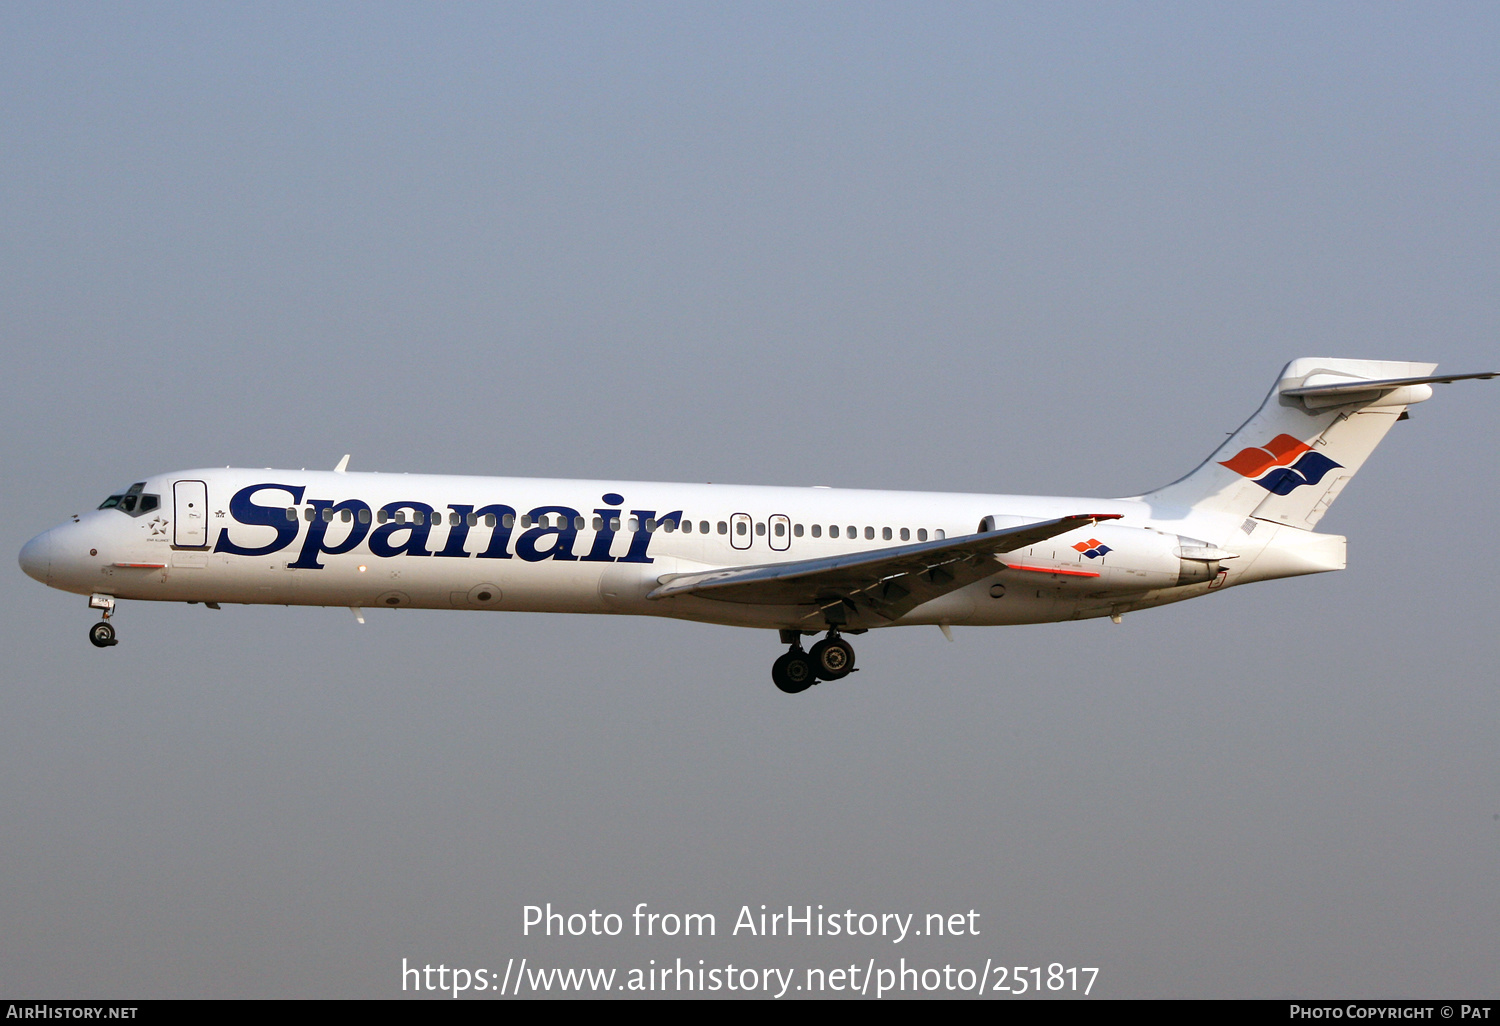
{"x":796,"y":670}
{"x":102,"y":634}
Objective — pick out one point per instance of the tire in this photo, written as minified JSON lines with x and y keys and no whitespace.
{"x":102,"y":634}
{"x":832,"y":658}
{"x":793,"y":673}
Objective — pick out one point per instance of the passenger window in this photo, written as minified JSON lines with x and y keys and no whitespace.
{"x":509,"y":521}
{"x":921,"y":534}
{"x":669,"y":526}
{"x":400,"y":516}
{"x":833,"y":530}
{"x":472,"y":520}
{"x":347,"y":516}
{"x":578,"y":523}
{"x":869,"y":534}
{"x":906,"y":534}
{"x":817,"y":530}
{"x":635,"y":524}
{"x":760,"y":530}
{"x":797,"y":530}
{"x":452,"y":519}
{"x":364,"y":516}
{"x":381,"y":516}
{"x":525,"y":519}
{"x":598,"y":523}
{"x":703,"y":527}
{"x":938,"y":534}
{"x":723,"y":527}
{"x":885,"y":532}
{"x":308,"y":514}
{"x":687,"y":527}
{"x":741,"y":528}
{"x":489,"y":520}
{"x":614,"y":523}
{"x":780,"y":530}
{"x":291,"y":512}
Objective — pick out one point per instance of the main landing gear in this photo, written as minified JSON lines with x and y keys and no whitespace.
{"x":102,"y":634}
{"x":796,"y":670}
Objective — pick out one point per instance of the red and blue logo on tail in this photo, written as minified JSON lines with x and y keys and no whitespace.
{"x":1282,"y":465}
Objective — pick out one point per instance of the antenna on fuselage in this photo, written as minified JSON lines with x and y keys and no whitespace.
{"x":343,"y":467}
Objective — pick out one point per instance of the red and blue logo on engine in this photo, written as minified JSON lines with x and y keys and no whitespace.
{"x":1093,"y":548}
{"x":1282,"y":465}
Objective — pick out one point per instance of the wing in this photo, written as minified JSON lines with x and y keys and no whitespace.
{"x":886,"y":582}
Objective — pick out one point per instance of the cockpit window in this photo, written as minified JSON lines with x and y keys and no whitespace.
{"x":132,"y":500}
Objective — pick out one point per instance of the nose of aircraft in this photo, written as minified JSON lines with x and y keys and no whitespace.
{"x":36,"y":557}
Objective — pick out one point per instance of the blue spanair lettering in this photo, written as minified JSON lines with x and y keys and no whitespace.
{"x":498,"y":547}
{"x":244,"y":511}
{"x":641,"y":540}
{"x":458,"y":533}
{"x":605,"y":536}
{"x":562,"y":548}
{"x":416,"y":541}
{"x":317,"y":529}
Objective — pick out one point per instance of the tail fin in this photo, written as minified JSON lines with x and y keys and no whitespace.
{"x":1290,"y":460}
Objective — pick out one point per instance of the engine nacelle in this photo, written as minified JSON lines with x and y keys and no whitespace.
{"x":1118,"y":558}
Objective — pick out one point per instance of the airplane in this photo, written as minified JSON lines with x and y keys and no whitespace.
{"x":802,"y":561}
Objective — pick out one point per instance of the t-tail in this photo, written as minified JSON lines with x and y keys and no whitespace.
{"x":1317,"y":427}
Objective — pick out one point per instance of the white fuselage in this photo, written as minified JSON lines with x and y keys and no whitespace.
{"x":441,"y":542}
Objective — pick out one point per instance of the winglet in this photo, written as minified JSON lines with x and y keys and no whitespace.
{"x":343,"y":467}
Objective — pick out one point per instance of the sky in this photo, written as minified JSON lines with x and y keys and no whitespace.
{"x":1010,"y":248}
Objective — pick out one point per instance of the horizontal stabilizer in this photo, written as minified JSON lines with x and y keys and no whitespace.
{"x":1356,"y":386}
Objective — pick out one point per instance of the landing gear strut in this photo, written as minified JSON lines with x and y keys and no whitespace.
{"x":102,"y":634}
{"x":796,"y":670}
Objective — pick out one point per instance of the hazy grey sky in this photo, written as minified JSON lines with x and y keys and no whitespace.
{"x":1014,"y":248}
